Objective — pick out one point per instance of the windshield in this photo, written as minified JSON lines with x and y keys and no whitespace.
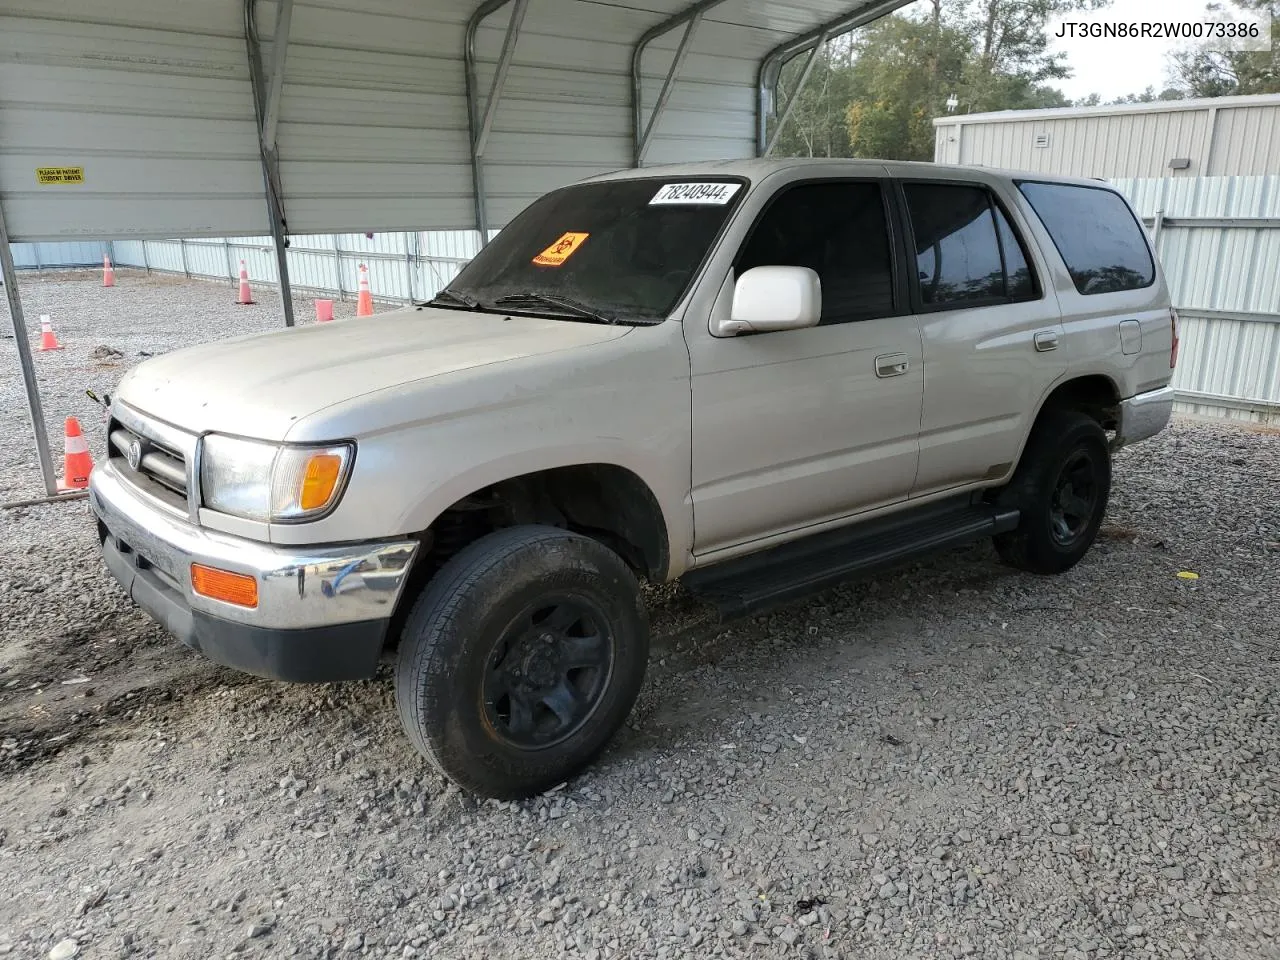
{"x":624,"y":249}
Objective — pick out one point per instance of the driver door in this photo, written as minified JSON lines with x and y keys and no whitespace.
{"x":797,"y":427}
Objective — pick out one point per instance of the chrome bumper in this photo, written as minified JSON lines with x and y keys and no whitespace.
{"x":1143,"y":416}
{"x":298,"y":587}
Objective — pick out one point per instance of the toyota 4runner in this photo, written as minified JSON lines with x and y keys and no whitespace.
{"x":760,"y":377}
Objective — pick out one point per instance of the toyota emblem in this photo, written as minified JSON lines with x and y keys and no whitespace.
{"x":135,"y":453}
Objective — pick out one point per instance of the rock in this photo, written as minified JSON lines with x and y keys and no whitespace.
{"x":257,"y":930}
{"x":1194,"y":911}
{"x":64,"y":950}
{"x":1174,"y":873}
{"x":789,"y":936}
{"x":547,"y":916}
{"x":354,"y":943}
{"x":888,"y":890}
{"x":739,"y":928}
{"x":680,"y":929}
{"x":1061,"y":829}
{"x":1134,"y":930}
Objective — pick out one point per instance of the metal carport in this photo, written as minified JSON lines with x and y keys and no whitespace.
{"x":386,"y":115}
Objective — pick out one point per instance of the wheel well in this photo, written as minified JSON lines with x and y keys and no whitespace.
{"x":1094,"y":395}
{"x":599,"y":500}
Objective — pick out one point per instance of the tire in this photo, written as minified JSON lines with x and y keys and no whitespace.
{"x":504,"y":647}
{"x":1066,"y":452}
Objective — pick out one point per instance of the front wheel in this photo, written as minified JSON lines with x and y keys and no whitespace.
{"x":1061,"y":489}
{"x":521,"y":659}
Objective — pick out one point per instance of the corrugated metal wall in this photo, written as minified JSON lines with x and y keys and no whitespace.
{"x":1224,"y":277}
{"x":50,"y":256}
{"x":1236,"y":136}
{"x":402,"y":266}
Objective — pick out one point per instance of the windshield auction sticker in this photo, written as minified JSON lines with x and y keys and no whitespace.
{"x":715,"y":194}
{"x":561,"y":250}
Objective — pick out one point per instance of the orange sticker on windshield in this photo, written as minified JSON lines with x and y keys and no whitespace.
{"x":561,"y":250}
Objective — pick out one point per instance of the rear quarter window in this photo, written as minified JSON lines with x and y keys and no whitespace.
{"x":1097,"y":235}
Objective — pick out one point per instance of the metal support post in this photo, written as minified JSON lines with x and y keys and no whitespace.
{"x":688,"y":16}
{"x":23,"y":345}
{"x":182,"y":250}
{"x":668,"y":85}
{"x":795,"y":94}
{"x":265,"y":111}
{"x":771,"y":65}
{"x":479,"y":125}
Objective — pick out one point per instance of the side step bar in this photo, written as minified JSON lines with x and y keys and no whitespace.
{"x":759,"y":582}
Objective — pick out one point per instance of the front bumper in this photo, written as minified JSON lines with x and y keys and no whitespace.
{"x":322,"y":612}
{"x":1142,"y":416}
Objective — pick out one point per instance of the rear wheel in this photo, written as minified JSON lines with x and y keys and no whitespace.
{"x":1061,"y":489}
{"x":521,"y":659}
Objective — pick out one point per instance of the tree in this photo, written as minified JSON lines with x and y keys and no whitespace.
{"x":1204,"y":72}
{"x":876,"y":92}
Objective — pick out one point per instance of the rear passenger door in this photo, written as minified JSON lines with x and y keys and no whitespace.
{"x":989,"y":327}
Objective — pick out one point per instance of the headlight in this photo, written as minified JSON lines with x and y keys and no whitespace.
{"x":272,"y":482}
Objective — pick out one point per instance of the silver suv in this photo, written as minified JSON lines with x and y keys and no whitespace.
{"x":760,"y":377}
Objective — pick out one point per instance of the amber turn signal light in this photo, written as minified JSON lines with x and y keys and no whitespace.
{"x":319,"y":480}
{"x":235,"y":588}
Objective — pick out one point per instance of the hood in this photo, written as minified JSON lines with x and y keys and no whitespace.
{"x":260,"y":385}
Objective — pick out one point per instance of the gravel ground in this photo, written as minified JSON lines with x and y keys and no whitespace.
{"x":954,"y":760}
{"x":140,"y":315}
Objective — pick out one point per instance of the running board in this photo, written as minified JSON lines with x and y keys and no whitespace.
{"x":761,"y":581}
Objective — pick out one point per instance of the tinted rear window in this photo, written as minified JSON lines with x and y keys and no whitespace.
{"x":1097,"y":235}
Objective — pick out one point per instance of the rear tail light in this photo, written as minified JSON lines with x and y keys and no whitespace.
{"x":1173,"y":351}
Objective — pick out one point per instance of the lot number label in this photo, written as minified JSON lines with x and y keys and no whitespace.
{"x":716,"y":194}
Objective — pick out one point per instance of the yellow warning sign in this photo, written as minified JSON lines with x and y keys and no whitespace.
{"x":561,"y":250}
{"x":48,"y":176}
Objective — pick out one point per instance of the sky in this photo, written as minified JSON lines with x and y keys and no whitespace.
{"x":1112,"y":68}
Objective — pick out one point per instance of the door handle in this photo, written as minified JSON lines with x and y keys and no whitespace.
{"x":1046,"y":340}
{"x":892,"y":365}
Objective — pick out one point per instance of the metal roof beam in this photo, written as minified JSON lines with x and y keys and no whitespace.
{"x":478,"y":125}
{"x":795,"y":95}
{"x":690,"y":17}
{"x":775,"y":59}
{"x":271,"y":187}
{"x":279,"y":51}
{"x":500,"y":76}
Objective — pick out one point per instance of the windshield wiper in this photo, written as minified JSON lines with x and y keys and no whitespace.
{"x":556,"y":302}
{"x":448,"y":298}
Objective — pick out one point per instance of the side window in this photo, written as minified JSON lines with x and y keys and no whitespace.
{"x":957,"y":252}
{"x":838,"y":230}
{"x":1099,"y":239}
{"x":1019,"y":284}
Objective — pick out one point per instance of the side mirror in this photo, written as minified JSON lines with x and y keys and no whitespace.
{"x":773,"y":298}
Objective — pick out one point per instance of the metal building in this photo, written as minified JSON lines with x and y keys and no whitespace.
{"x":1227,"y":136}
{"x":1205,"y":176}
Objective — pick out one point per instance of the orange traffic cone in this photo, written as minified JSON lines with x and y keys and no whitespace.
{"x":364,"y":302}
{"x":324,"y":311}
{"x":77,"y":462}
{"x":47,"y":340}
{"x":108,"y":272}
{"x":246,"y":295}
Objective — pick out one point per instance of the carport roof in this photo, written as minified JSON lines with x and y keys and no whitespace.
{"x":171,"y":118}
{"x":370,"y":115}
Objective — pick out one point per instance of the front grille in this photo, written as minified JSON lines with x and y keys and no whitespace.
{"x":161,"y":463}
